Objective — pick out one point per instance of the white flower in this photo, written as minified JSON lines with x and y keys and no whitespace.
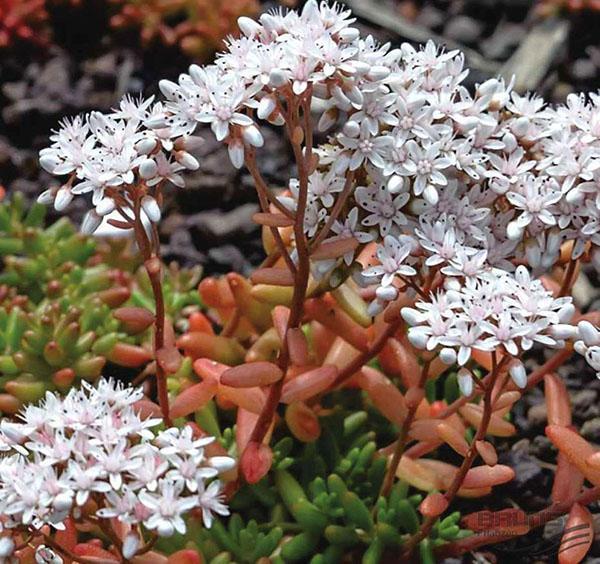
{"x":211,"y":501}
{"x":392,"y":256}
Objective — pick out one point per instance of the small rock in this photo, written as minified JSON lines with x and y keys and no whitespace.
{"x":431,"y":18}
{"x":583,"y":69}
{"x":582,"y":402}
{"x":223,"y":226}
{"x":590,"y":430}
{"x":230,"y":258}
{"x":463,"y":29}
{"x":537,"y":415}
{"x":501,"y":44}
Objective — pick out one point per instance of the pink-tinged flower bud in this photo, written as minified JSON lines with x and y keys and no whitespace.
{"x":256,"y":462}
{"x":130,"y":545}
{"x":395,"y":184}
{"x":302,"y":422}
{"x":327,"y":119}
{"x":46,"y":197}
{"x":63,"y":502}
{"x":90,"y":223}
{"x":518,"y":373}
{"x":169,"y":89}
{"x":448,"y":356}
{"x":378,"y":72}
{"x":63,"y":198}
{"x":188,"y":161}
{"x":589,"y":333}
{"x":563,"y":331}
{"x":151,"y":208}
{"x":355,"y":95}
{"x":105,"y":206}
{"x":348,"y":34}
{"x":514,"y":231}
{"x":148,"y":168}
{"x":411,"y":316}
{"x":465,"y":382}
{"x":266,"y":107}
{"x":7,"y":547}
{"x":49,"y":163}
{"x":278,"y":78}
{"x":340,"y":98}
{"x":520,"y":126}
{"x":351,"y":129}
{"x":222,"y":463}
{"x":417,"y":338}
{"x":236,"y":153}
{"x":253,"y":136}
{"x":386,"y":293}
{"x":248,"y":26}
{"x":430,"y":195}
{"x":145,"y":146}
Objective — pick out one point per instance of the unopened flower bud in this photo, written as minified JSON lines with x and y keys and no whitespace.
{"x":327,"y":119}
{"x":7,"y":547}
{"x":169,"y":89}
{"x":378,"y":72}
{"x":148,"y":168}
{"x":91,"y":222}
{"x":465,"y":382}
{"x":277,"y":78}
{"x":105,"y":206}
{"x":49,"y":163}
{"x":448,"y":356}
{"x":188,"y":161}
{"x":46,"y":197}
{"x":248,"y":26}
{"x":351,"y":129}
{"x":151,"y":208}
{"x":518,"y":373}
{"x":348,"y":34}
{"x":266,"y":107}
{"x":236,"y":153}
{"x":588,"y":333}
{"x":386,"y":293}
{"x":145,"y":146}
{"x":514,"y":231}
{"x":395,"y":184}
{"x":253,"y":136}
{"x":63,"y":198}
{"x":130,"y":545}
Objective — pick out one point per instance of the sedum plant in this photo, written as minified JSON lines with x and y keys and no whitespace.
{"x":422,"y":252}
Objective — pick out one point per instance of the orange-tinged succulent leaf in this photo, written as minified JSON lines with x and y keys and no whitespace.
{"x":505,"y":401}
{"x":334,"y":247}
{"x":68,"y":536}
{"x":198,"y":322}
{"x":185,"y":556}
{"x":498,"y":427}
{"x":452,"y":437}
{"x":280,"y":316}
{"x":114,"y":297}
{"x":147,"y":408}
{"x":216,"y":292}
{"x":577,"y":537}
{"x":251,"y":374}
{"x":266,"y":347}
{"x":487,"y":451}
{"x":222,"y":349}
{"x":433,"y":505}
{"x":255,"y":462}
{"x":273,"y":276}
{"x":424,"y":430}
{"x":134,"y":319}
{"x":273,"y":219}
{"x":338,"y":322}
{"x":10,"y":404}
{"x":169,"y":359}
{"x":308,"y":384}
{"x":383,"y":394}
{"x":398,"y":360}
{"x":209,"y":369}
{"x":252,"y":399}
{"x":576,"y":449}
{"x":100,"y":555}
{"x":568,"y":480}
{"x":419,"y":475}
{"x":297,"y":346}
{"x":415,"y":396}
{"x":193,"y":398}
{"x":302,"y":422}
{"x":339,"y":354}
{"x":485,"y":476}
{"x":128,"y":355}
{"x":258,"y":313}
{"x":558,"y":406}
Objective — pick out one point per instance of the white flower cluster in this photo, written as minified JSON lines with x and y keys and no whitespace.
{"x":493,"y":309}
{"x":93,"y":445}
{"x":106,"y":153}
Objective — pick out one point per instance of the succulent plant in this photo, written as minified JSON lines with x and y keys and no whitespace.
{"x":22,"y":20}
